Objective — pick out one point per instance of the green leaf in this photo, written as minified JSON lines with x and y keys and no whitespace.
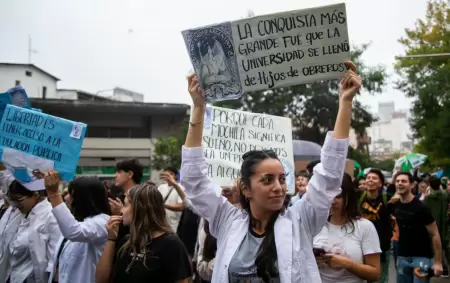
{"x":427,"y":81}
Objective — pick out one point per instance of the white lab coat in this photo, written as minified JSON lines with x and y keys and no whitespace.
{"x":86,"y":241}
{"x":294,"y":230}
{"x":43,"y":236}
{"x":9,"y":225}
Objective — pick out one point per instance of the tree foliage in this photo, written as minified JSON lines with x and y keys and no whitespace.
{"x":313,"y":107}
{"x":427,"y":80}
{"x":167,"y":151}
{"x":385,"y":165}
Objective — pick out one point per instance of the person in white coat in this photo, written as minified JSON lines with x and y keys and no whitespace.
{"x":263,"y":242}
{"x":33,"y":245}
{"x":9,"y":223}
{"x":83,"y":228}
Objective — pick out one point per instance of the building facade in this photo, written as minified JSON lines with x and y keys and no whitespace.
{"x":116,"y":130}
{"x":37,"y":82}
{"x":391,"y":135}
{"x":120,"y":125}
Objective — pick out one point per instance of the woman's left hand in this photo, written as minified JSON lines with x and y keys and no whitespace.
{"x":51,"y":182}
{"x":336,"y":261}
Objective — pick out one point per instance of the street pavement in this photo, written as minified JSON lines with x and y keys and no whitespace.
{"x":392,"y":275}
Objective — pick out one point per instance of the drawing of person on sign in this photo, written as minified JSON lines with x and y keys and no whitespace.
{"x":214,"y":68}
{"x":212,"y":54}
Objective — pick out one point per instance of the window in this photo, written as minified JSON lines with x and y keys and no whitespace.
{"x":28,"y":73}
{"x":17,"y":82}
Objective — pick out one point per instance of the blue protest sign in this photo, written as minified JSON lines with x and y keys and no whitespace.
{"x":32,"y":143}
{"x":16,"y":96}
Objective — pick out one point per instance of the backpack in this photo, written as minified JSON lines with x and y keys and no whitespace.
{"x":385,"y":202}
{"x":364,"y":194}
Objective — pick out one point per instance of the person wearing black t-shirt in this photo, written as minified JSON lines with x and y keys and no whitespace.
{"x":419,"y":236}
{"x":373,"y":207}
{"x":151,"y":252}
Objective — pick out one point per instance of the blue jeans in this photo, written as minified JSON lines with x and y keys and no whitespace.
{"x":405,"y":269}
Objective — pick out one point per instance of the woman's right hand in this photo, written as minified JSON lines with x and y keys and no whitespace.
{"x":112,"y":226}
{"x":197,"y":94}
{"x":350,"y":83}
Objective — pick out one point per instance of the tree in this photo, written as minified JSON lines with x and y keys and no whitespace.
{"x":313,"y":107}
{"x":427,"y":81}
{"x":167,"y":152}
{"x":385,"y":165}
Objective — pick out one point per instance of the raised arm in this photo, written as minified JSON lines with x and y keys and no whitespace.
{"x":88,"y":231}
{"x":194,"y":169}
{"x":325,"y":184}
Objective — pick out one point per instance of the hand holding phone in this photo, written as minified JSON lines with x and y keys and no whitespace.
{"x":319,"y":251}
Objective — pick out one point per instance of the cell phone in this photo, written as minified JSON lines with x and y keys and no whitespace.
{"x":319,"y":251}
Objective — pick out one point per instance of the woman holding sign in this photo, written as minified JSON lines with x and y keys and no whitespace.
{"x":263,"y":240}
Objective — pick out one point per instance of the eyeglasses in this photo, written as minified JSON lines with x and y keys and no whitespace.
{"x":16,"y":201}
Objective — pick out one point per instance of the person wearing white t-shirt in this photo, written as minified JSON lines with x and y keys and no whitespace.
{"x":347,"y":248}
{"x":172,"y":200}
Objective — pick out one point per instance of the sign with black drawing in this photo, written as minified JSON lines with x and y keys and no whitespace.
{"x":270,"y":51}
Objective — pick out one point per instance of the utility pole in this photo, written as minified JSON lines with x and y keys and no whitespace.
{"x":30,"y":49}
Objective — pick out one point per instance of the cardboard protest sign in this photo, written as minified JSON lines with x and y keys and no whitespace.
{"x":270,"y":51}
{"x":32,"y":143}
{"x":228,"y":134}
{"x":16,"y":96}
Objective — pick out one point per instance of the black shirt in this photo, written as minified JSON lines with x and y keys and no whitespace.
{"x":412,"y":217}
{"x":188,"y":229}
{"x":166,"y":261}
{"x":376,"y":211}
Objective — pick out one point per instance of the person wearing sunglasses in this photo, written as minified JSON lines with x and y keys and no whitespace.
{"x":32,"y":247}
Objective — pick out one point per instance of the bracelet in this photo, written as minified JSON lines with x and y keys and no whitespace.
{"x":195,"y":123}
{"x":112,"y":240}
{"x":54,"y":195}
{"x":351,"y":267}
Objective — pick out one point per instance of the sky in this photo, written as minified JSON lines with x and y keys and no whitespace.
{"x":95,"y":45}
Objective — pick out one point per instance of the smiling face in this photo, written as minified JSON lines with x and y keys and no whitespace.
{"x":403,"y":185}
{"x":267,"y":187}
{"x":373,"y":182}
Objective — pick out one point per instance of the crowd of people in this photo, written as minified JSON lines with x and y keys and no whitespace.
{"x":332,"y":229}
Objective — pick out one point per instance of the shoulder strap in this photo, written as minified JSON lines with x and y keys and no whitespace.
{"x":384,"y":196}
{"x":168,"y":194}
{"x":62,"y":247}
{"x":362,"y":198}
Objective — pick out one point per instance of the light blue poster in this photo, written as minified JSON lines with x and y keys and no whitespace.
{"x":16,"y":96}
{"x":32,"y":143}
